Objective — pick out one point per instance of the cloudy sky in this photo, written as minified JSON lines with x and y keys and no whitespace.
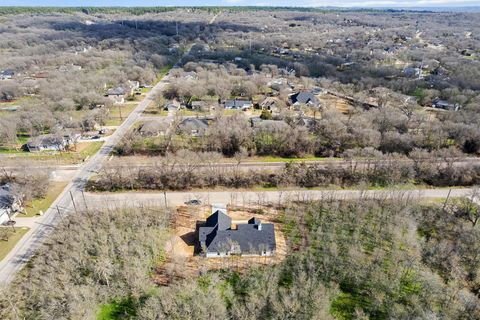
{"x":304,"y":3}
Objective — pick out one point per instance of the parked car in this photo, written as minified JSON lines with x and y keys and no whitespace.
{"x":193,"y":202}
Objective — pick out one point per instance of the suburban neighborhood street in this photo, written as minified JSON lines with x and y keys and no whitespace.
{"x":71,"y":198}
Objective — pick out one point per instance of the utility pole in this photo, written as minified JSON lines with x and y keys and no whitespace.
{"x":73,"y":201}
{"x":176,"y":27}
{"x":84,"y":201}
{"x":120,"y":112}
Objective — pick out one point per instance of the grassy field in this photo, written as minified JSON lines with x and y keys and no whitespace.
{"x":192,"y":113}
{"x":6,"y":246}
{"x":152,"y":109}
{"x":114,"y":118}
{"x":84,"y":150}
{"x":35,"y":206}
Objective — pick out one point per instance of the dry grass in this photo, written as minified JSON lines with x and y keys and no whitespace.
{"x":331,"y":101}
{"x":7,"y":246}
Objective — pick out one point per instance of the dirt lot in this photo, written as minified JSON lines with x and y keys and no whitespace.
{"x":182,"y":249}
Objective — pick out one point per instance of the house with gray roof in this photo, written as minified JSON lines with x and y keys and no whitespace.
{"x":154,"y":128}
{"x":304,"y":98}
{"x":445,"y":105}
{"x":217,"y":237}
{"x":7,"y":74}
{"x":238,"y":104}
{"x":53,"y":142}
{"x":193,"y":126}
{"x":117,"y":95}
{"x":9,"y":203}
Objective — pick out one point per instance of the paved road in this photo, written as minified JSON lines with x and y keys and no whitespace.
{"x":71,"y":198}
{"x":140,"y":199}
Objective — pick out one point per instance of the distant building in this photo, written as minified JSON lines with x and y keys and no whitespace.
{"x":7,"y":74}
{"x":9,"y":203}
{"x":411,"y":72}
{"x":238,"y":104}
{"x":52,"y":142}
{"x":117,"y":95}
{"x":445,"y":105}
{"x":193,"y":126}
{"x":304,"y":98}
{"x":217,"y":238}
{"x":271,"y":104}
{"x":154,"y":128}
{"x":198,"y":105}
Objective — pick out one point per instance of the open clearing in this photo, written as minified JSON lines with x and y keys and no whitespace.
{"x":182,"y":250}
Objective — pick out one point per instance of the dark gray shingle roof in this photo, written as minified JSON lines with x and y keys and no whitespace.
{"x":304,"y":98}
{"x":236,"y":104}
{"x":252,"y":237}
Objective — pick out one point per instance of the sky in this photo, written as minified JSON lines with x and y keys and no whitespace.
{"x":301,"y":3}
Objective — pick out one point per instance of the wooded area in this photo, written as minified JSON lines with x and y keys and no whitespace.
{"x":373,"y":259}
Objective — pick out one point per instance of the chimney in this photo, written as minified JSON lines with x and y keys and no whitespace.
{"x":259,"y":226}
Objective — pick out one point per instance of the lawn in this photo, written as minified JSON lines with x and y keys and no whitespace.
{"x":154,"y":110}
{"x":114,"y":118}
{"x":84,"y":150}
{"x":6,"y":246}
{"x":33,"y":207}
{"x":192,"y":113}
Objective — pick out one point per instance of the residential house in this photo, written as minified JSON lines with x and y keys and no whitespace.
{"x":304,"y":98}
{"x":133,"y":85}
{"x":411,"y":72}
{"x":445,"y":105}
{"x":198,"y":105}
{"x":9,"y":203}
{"x":172,"y":107}
{"x":7,"y":74}
{"x":117,"y":95}
{"x":154,"y":128}
{"x":193,"y":126}
{"x":271,"y":104}
{"x":53,"y":142}
{"x":238,"y":104}
{"x":218,"y":238}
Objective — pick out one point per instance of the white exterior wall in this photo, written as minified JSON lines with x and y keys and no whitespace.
{"x":4,"y":215}
{"x":223,"y":255}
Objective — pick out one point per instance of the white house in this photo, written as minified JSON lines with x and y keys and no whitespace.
{"x":9,"y":204}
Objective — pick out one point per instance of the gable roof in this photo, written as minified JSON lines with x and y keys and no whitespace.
{"x":194,"y":123}
{"x":6,"y":198}
{"x":119,"y":91}
{"x":304,"y":97}
{"x":253,"y":237}
{"x":220,"y":220}
{"x":46,"y":140}
{"x":237,"y":104}
{"x":153,"y":127}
